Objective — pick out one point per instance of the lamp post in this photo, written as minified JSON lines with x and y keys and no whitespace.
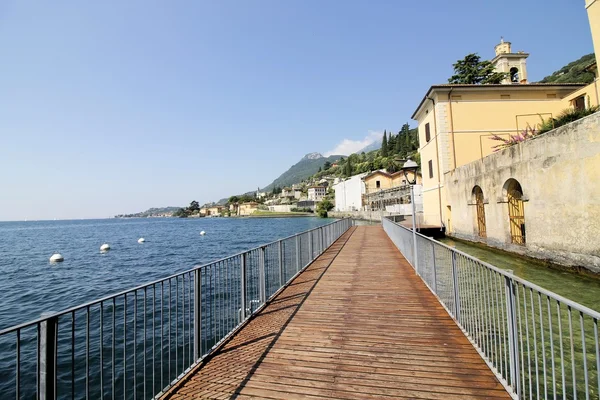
{"x":411,"y":166}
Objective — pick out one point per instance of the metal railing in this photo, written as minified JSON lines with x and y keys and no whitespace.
{"x":540,"y":344}
{"x":137,"y":343}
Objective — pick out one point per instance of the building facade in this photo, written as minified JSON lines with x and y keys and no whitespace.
{"x":457,"y":123}
{"x":593,"y":11}
{"x":540,"y":198}
{"x":246,"y":209}
{"x":316,"y":193}
{"x":349,"y":193}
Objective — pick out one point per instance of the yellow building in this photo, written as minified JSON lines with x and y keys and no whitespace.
{"x":457,"y":123}
{"x":247,"y":208}
{"x":593,"y":10}
{"x":382,"y":180}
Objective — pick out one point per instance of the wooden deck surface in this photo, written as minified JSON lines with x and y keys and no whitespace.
{"x":357,"y":324}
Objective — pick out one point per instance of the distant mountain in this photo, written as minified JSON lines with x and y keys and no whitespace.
{"x":151,"y":212}
{"x":307,"y":166}
{"x":573,"y":72}
{"x":376,"y":145}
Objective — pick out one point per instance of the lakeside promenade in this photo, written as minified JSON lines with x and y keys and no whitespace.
{"x":356,"y":324}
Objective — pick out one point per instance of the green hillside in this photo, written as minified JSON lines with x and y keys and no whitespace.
{"x":573,"y":72}
{"x":307,"y":166}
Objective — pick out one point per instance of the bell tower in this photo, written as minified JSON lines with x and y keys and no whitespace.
{"x":513,"y":64}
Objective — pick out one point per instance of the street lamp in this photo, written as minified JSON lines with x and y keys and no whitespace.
{"x":411,"y":166}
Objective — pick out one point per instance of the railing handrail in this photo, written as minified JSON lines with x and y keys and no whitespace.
{"x":145,"y":285}
{"x":579,"y":307}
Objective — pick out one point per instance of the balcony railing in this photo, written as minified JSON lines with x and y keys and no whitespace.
{"x":137,"y":343}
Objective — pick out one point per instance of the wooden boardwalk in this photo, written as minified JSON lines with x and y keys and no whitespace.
{"x":357,"y":324}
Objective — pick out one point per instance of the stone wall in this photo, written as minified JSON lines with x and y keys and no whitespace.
{"x":559,"y":173}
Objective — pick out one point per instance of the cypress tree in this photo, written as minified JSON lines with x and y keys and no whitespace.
{"x":398,"y":146}
{"x":384,"y":146}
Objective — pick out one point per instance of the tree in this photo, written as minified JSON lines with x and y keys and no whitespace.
{"x":348,"y":168}
{"x":326,"y":166}
{"x":234,"y":199}
{"x":319,"y":170}
{"x":180,"y":213}
{"x":323,"y":207}
{"x":384,"y":146}
{"x":471,"y":70}
{"x":402,"y":144}
{"x":194,"y":206}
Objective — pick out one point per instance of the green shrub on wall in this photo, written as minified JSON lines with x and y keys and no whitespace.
{"x":565,"y":117}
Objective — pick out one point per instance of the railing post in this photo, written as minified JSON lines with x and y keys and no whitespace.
{"x":280,"y":258}
{"x":262,"y":276}
{"x":48,"y":333}
{"x":434,"y":268}
{"x":243,"y":285}
{"x":310,"y":245}
{"x":197,"y":314}
{"x":297,"y":253}
{"x":455,"y":288}
{"x":511,"y":320}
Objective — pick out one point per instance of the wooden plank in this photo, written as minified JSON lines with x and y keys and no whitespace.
{"x":357,"y":324}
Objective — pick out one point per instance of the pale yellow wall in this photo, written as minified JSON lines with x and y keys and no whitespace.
{"x":247,"y":209}
{"x":476,"y":122}
{"x":465,"y":126}
{"x":371,"y":183}
{"x":433,"y":151}
{"x":559,"y":173}
{"x":593,"y":10}
{"x":398,"y":179}
{"x":591,"y":95}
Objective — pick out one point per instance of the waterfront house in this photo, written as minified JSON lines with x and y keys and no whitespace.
{"x":286,"y":192}
{"x":534,"y":198}
{"x":349,"y":193}
{"x":456,"y":124}
{"x":248,"y":208}
{"x":316,"y":193}
{"x":381,"y":179}
{"x":214,"y":210}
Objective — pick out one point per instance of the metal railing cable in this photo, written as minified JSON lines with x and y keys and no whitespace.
{"x":137,"y":343}
{"x":540,"y":344}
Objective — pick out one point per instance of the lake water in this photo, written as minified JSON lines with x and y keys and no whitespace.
{"x":31,"y":285}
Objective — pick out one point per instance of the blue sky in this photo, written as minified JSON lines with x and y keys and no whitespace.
{"x":111,"y":107}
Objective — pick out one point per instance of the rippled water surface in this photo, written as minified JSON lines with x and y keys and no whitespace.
{"x":31,"y":285}
{"x":582,"y":289}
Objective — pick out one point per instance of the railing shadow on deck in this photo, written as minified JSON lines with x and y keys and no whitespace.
{"x":269,"y":329}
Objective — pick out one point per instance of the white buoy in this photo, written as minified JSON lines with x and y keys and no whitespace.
{"x":56,"y":257}
{"x":141,"y":240}
{"x":105,"y":247}
{"x":202,"y":233}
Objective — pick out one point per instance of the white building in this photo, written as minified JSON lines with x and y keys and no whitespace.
{"x":316,"y":193}
{"x":349,"y":193}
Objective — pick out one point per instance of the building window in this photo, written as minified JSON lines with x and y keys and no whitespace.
{"x":505,"y":96}
{"x":551,"y":96}
{"x":377,"y":184}
{"x":478,"y":197}
{"x":430,"y":168}
{"x":579,"y":103}
{"x":427,"y":133}
{"x":516,"y":211}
